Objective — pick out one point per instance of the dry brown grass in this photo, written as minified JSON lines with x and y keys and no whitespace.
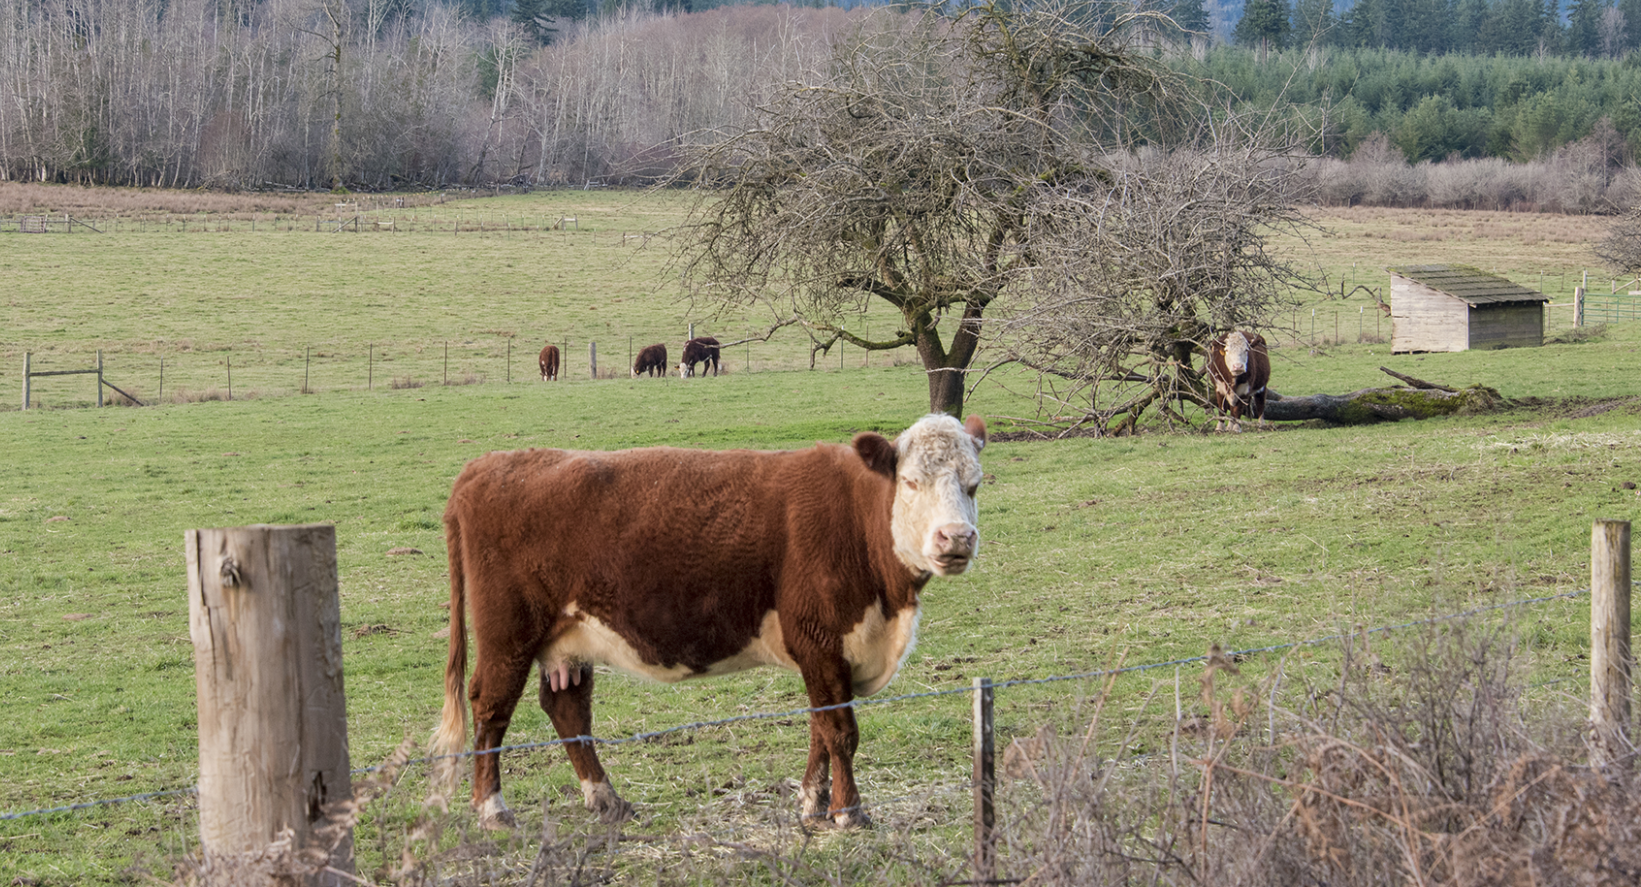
{"x":162,"y":203}
{"x":1419,"y":764}
{"x":1365,"y":240}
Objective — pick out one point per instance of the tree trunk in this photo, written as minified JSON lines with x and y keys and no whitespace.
{"x":1381,"y":404}
{"x":946,"y":367}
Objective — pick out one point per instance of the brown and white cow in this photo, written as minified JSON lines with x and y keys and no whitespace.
{"x":1240,"y":369}
{"x":701,"y":349}
{"x":652,"y":359}
{"x":671,"y":564}
{"x":549,"y":363}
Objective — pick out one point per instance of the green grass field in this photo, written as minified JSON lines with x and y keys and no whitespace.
{"x":1094,"y":552}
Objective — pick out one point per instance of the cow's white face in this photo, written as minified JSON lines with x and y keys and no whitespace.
{"x":1237,"y":349}
{"x":937,"y":472}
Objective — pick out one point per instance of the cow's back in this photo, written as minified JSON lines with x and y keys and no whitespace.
{"x":681,"y":553}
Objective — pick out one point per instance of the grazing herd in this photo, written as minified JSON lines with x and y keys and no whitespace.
{"x":652,"y":359}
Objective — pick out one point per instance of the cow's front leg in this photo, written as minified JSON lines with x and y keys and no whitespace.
{"x":833,"y":736}
{"x":567,"y":697}
{"x":816,"y":790}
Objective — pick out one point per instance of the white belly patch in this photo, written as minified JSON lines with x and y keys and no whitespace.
{"x":592,"y":641}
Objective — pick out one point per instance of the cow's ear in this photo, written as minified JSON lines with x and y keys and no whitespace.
{"x":877,"y":452}
{"x":976,"y":427}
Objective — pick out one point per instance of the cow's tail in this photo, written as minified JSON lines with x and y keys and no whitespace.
{"x":450,"y":739}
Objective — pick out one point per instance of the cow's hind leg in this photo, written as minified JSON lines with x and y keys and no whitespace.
{"x":494,"y":692}
{"x":570,"y":706}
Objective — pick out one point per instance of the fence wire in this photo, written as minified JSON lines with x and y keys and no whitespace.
{"x":862,"y":703}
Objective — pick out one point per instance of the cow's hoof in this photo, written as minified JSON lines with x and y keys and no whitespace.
{"x":852,"y":818}
{"x":494,"y":815}
{"x":602,"y":800}
{"x":815,"y":801}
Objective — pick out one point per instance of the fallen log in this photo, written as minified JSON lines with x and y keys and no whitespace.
{"x":1421,"y":400}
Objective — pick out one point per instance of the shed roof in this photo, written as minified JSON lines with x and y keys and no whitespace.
{"x":1471,"y":285}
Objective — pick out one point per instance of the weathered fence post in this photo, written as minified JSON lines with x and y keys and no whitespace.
{"x":99,"y":378}
{"x":592,"y":358}
{"x":273,"y":748}
{"x":985,"y":758}
{"x":1609,"y":642}
{"x":1578,"y":306}
{"x":28,"y":359}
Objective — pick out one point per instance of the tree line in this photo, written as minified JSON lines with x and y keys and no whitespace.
{"x":1436,"y":107}
{"x":1592,"y":28}
{"x":381,"y":94}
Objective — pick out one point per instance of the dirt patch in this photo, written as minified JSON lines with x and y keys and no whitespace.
{"x":18,"y":198}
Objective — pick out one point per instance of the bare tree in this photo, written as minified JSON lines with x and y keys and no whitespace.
{"x":920,"y":169}
{"x":1139,"y":274}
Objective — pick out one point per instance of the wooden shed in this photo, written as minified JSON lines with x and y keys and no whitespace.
{"x":1456,"y":308}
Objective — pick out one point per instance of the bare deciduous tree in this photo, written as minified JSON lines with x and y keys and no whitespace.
{"x":1141,"y":273}
{"x":923,"y":168}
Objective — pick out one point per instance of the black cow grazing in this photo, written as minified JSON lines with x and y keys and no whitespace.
{"x":1240,"y":369}
{"x":701,"y":349}
{"x":549,"y":363}
{"x":652,"y":360}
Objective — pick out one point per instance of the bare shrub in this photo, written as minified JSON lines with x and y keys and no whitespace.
{"x":403,"y":382}
{"x":1422,"y":771}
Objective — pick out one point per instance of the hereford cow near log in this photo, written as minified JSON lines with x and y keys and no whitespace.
{"x":652,"y":360}
{"x":549,"y":363}
{"x":1239,"y":368}
{"x":671,"y":564}
{"x":701,"y":349}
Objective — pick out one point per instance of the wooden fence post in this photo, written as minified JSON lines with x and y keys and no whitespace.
{"x":985,"y":758}
{"x":1609,"y":642}
{"x":99,"y":376}
{"x":592,"y":358}
{"x":28,"y":359}
{"x":273,"y":749}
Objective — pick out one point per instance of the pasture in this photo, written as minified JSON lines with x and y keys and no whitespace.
{"x":1133,"y":550}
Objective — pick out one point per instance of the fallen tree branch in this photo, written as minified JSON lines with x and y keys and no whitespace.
{"x":1416,"y":383}
{"x":1382,"y":404}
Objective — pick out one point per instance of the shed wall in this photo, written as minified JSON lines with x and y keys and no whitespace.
{"x":1507,"y":326}
{"x":1424,"y":319}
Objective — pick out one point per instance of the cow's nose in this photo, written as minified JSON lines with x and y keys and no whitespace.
{"x":956,"y":537}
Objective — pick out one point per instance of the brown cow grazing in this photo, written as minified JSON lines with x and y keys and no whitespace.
{"x":1240,"y":369}
{"x":652,"y":359}
{"x":671,"y":564}
{"x":549,"y":363}
{"x":701,"y":349}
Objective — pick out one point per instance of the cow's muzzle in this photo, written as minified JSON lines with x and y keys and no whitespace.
{"x":952,"y":547}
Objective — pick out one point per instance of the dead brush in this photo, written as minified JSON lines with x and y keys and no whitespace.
{"x":1423,"y":771}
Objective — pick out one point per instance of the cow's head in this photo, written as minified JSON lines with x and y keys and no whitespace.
{"x":936,"y":469}
{"x":1237,"y":356}
{"x":684,"y":370}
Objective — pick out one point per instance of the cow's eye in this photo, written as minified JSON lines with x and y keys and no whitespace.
{"x":911,"y":484}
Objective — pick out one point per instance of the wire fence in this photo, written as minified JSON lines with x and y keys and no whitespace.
{"x":648,"y":736}
{"x":153,"y":377}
